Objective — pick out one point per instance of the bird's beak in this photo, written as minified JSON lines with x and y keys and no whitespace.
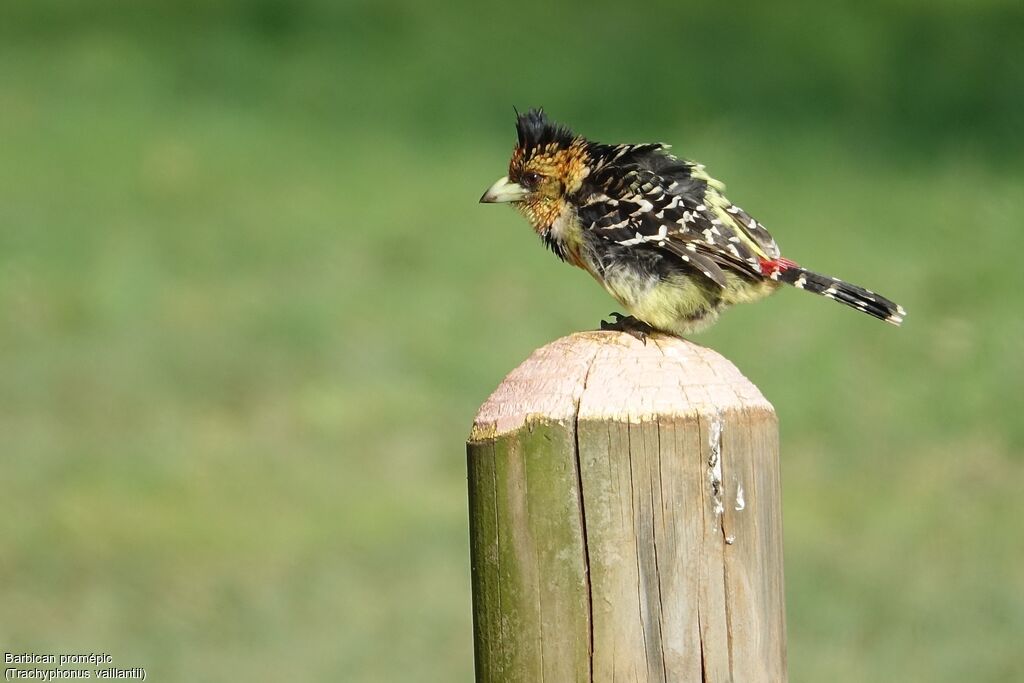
{"x":503,"y":191}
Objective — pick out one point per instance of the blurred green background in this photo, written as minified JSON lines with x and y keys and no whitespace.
{"x":250,"y":305}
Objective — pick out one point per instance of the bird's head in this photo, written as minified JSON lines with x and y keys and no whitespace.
{"x":548,"y":165}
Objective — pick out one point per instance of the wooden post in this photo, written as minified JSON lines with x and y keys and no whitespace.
{"x":625,"y":518}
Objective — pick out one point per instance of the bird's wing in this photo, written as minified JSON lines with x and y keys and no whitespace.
{"x":643,"y":209}
{"x":746,"y":225}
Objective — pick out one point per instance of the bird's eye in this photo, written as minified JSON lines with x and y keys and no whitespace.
{"x":530,"y":178}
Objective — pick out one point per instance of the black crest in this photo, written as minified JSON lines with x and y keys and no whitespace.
{"x":536,"y":130}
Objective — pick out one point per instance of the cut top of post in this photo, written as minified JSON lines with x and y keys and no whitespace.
{"x":611,"y":375}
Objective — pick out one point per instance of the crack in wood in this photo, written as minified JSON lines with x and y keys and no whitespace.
{"x":583,"y":525}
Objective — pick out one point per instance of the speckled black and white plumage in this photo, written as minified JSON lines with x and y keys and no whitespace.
{"x":656,"y":231}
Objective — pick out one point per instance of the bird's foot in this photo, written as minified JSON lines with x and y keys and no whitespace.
{"x":630,"y":325}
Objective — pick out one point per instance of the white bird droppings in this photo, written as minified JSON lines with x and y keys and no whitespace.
{"x":715,"y":460}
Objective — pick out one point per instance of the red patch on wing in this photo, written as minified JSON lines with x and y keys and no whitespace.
{"x":770,"y":267}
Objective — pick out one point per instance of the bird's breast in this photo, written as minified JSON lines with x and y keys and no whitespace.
{"x":566,"y":235}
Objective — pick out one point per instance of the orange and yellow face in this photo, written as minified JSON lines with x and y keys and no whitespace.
{"x":549,"y":174}
{"x":540,"y":178}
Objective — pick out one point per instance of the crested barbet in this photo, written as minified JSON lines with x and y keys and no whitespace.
{"x":654,"y":230}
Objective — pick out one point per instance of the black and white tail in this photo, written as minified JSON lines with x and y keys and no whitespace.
{"x":853,"y":296}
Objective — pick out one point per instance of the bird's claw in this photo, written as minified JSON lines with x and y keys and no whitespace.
{"x":632,"y":326}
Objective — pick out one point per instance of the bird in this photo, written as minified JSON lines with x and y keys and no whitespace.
{"x":656,"y":231}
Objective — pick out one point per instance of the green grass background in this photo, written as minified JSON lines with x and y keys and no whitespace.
{"x":249,"y":305}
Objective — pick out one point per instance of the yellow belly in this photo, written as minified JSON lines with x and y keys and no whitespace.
{"x":681,"y":304}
